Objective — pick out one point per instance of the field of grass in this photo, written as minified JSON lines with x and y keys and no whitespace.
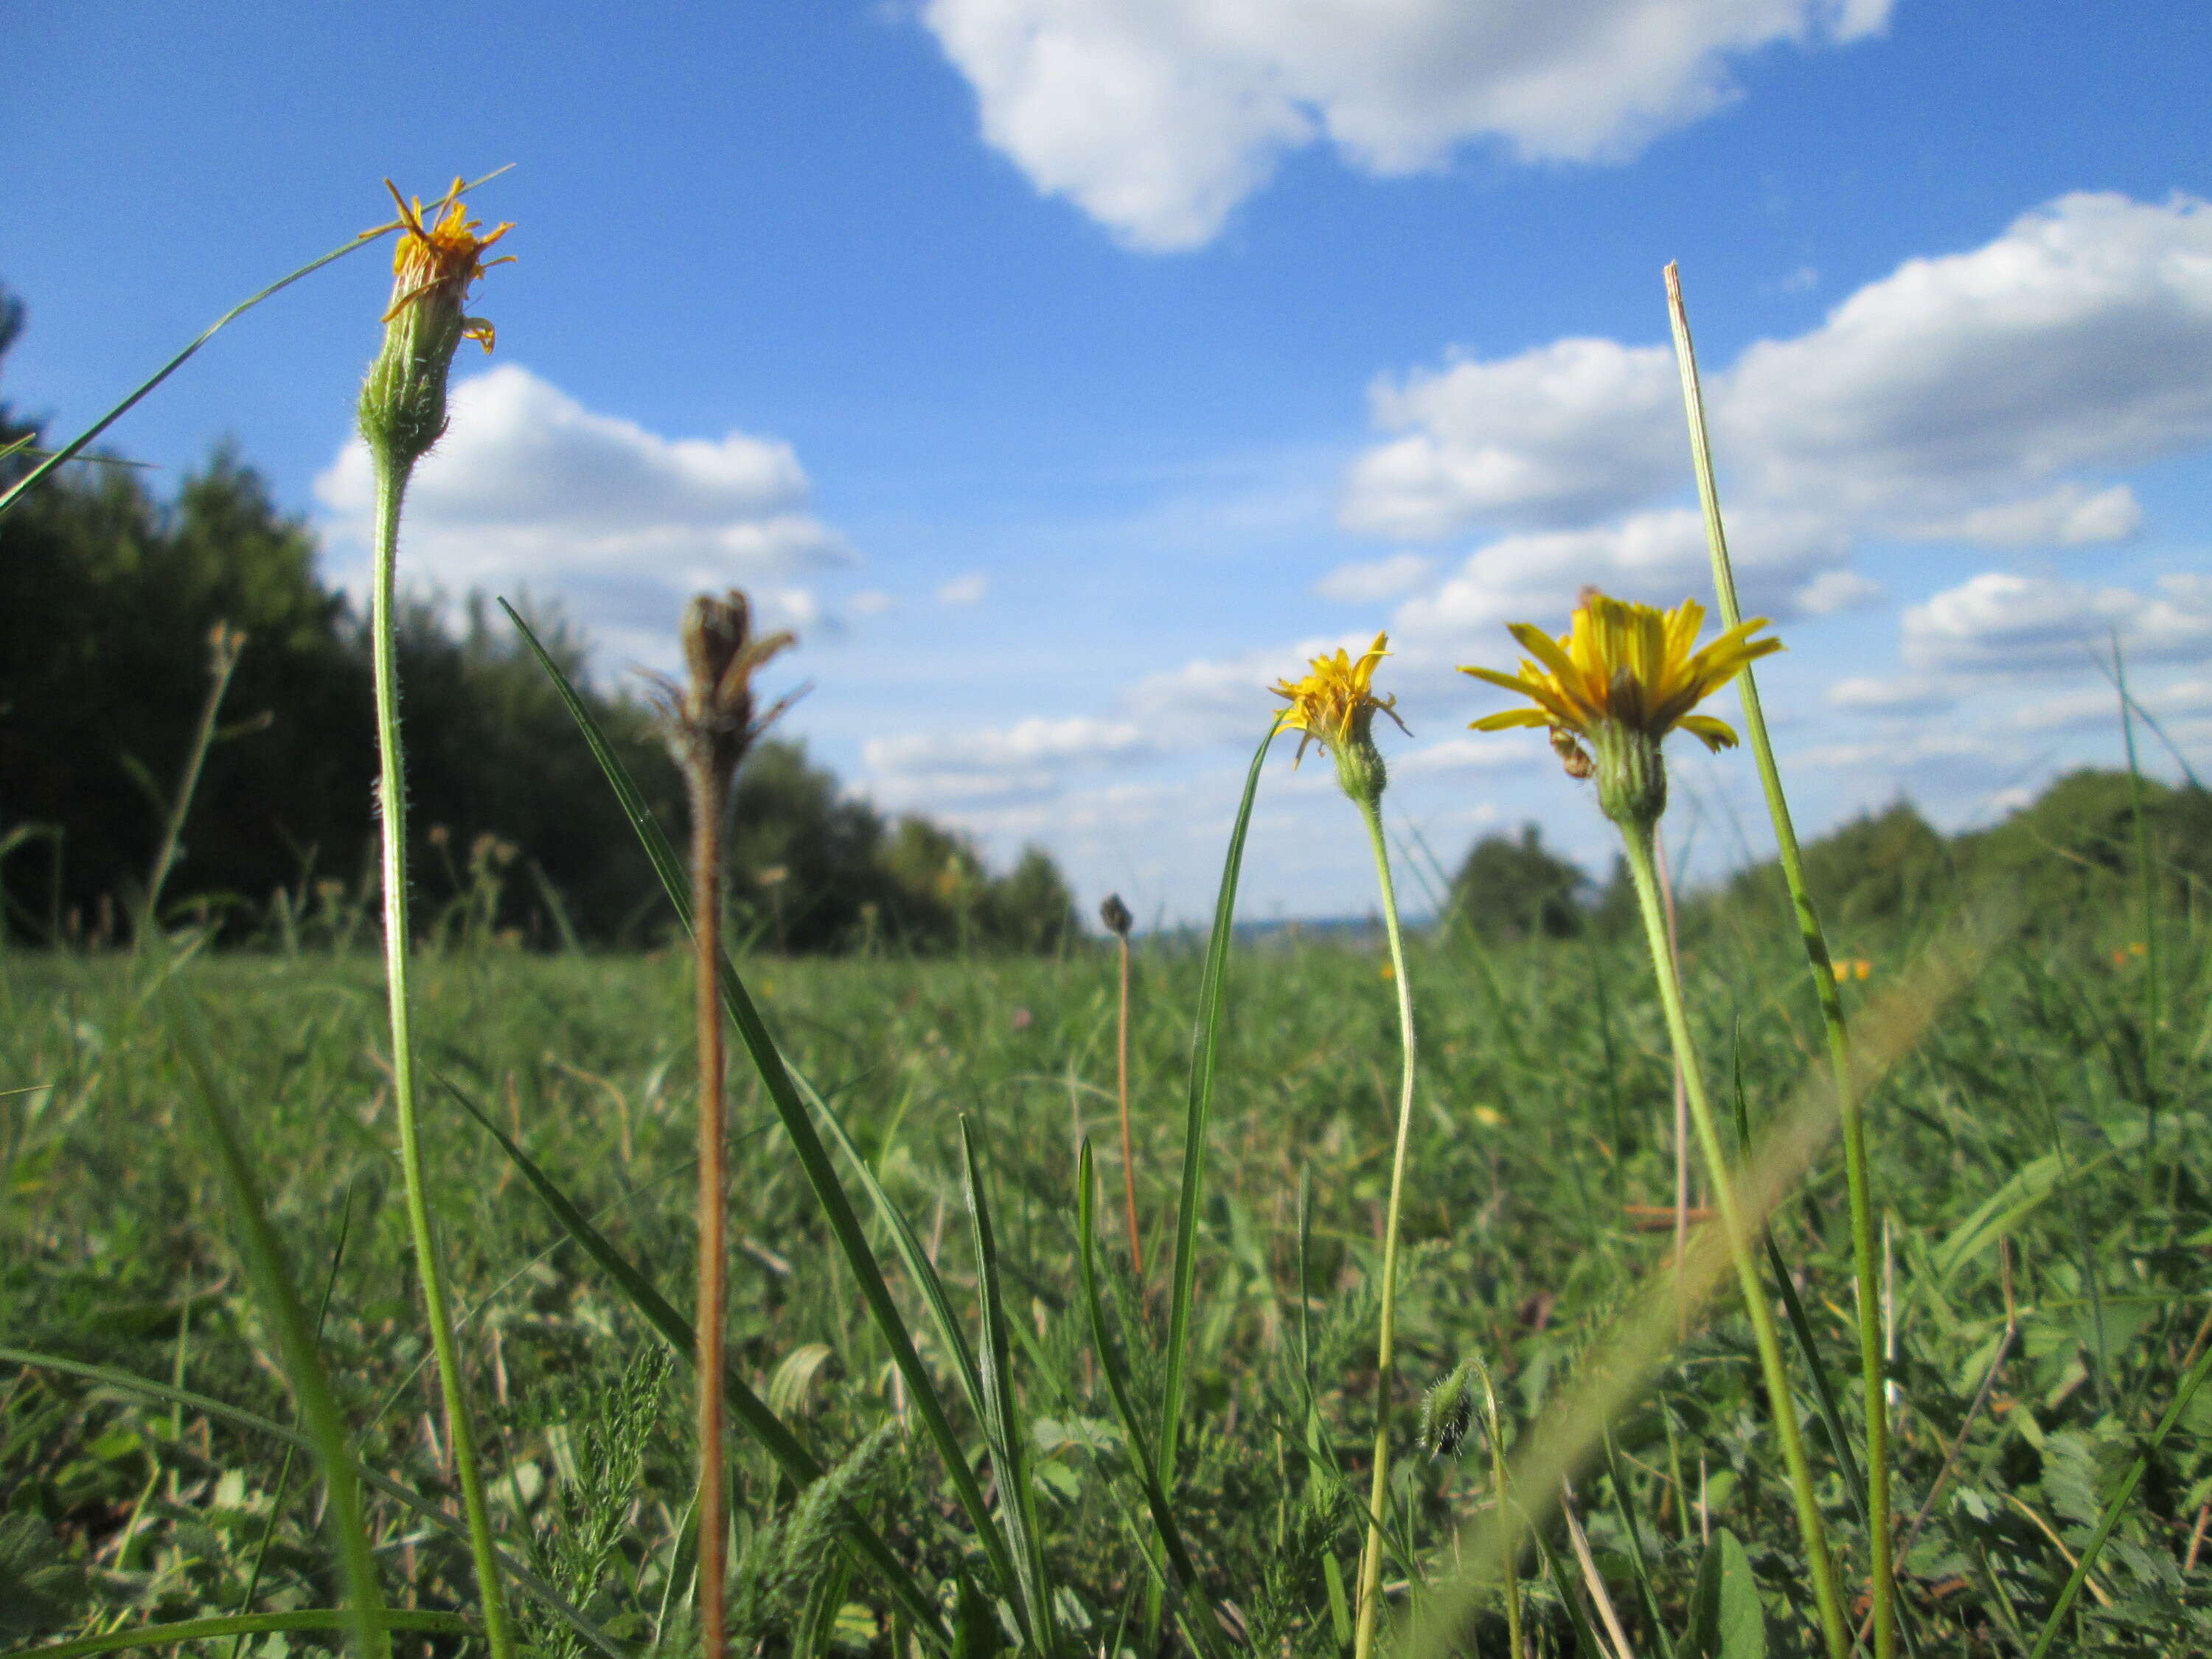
{"x":2039,"y":1155}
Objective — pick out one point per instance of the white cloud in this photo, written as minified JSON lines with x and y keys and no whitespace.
{"x":1490,"y":752}
{"x":1657,"y":557}
{"x":2081,"y":337}
{"x":1956,"y":753}
{"x":1893,"y":694}
{"x":871,"y":602}
{"x":1222,"y":699}
{"x":2069,"y":516}
{"x":2000,"y":622}
{"x":1953,"y":400}
{"x":1157,"y":117}
{"x":965,"y":590}
{"x":1833,"y":592}
{"x":1034,"y":742}
{"x":529,"y":489}
{"x":1561,"y":434}
{"x":1380,"y":579}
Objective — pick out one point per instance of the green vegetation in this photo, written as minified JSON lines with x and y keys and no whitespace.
{"x":2013,"y":1140}
{"x":1011,"y":1440}
{"x":108,"y":598}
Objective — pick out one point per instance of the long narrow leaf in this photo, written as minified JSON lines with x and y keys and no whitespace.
{"x":755,"y":1414}
{"x":296,"y":1341}
{"x":1201,"y":1624}
{"x":69,"y":451}
{"x":208,"y":1406}
{"x":246,"y":1624}
{"x":1206,"y":1044}
{"x":912,"y":1256}
{"x":1002,"y":1418}
{"x":813,"y":1159}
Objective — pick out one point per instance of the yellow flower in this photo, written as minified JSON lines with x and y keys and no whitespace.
{"x":1631,"y":665}
{"x":1622,"y":678}
{"x":1333,"y":706}
{"x":402,"y":402}
{"x":438,"y":262}
{"x":1336,"y":706}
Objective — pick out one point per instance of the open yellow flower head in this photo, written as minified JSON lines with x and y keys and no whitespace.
{"x":1334,"y":705}
{"x":402,"y":403}
{"x":1621,"y":678}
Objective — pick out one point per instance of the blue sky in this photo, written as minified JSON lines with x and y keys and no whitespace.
{"x":1066,"y":369}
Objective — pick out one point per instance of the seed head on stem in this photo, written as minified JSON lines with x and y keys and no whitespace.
{"x":711,"y":720}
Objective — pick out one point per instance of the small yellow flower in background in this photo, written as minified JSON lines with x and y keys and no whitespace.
{"x":1621,"y":679}
{"x":1334,"y":705}
{"x":1846,"y":968}
{"x":2137,"y":948}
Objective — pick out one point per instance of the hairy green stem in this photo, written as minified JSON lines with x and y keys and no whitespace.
{"x":1873,"y":1382}
{"x":1738,"y":1237}
{"x":1370,"y":1559}
{"x":391,"y":799}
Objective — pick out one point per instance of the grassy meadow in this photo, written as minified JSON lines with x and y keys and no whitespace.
{"x":2045,"y":1261}
{"x":341,"y":1294}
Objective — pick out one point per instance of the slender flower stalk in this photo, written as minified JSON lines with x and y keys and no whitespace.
{"x":1116,"y":914}
{"x":1336,"y":706}
{"x":711,"y":723}
{"x":403,"y":413}
{"x":1882,"y":1569}
{"x":224,"y":644}
{"x":1620,"y":680}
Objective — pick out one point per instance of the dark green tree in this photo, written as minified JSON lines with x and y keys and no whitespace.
{"x":1514,"y":887}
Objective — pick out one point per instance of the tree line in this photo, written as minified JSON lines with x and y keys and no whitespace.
{"x":2074,"y":851}
{"x":110,"y":598}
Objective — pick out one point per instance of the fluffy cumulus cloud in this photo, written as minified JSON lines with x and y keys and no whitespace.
{"x":1029,"y":758}
{"x":1953,"y":400}
{"x":530,"y":490}
{"x":1368,"y":580}
{"x":1786,"y":564}
{"x":2002,"y":623}
{"x":1157,"y":117}
{"x":1554,"y":436}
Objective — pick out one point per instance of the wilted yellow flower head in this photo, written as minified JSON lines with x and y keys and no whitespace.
{"x":1621,"y":679}
{"x":403,"y":403}
{"x":436,"y":263}
{"x":1336,"y":706}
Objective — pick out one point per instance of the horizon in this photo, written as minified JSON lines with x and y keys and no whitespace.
{"x":1064,"y":402}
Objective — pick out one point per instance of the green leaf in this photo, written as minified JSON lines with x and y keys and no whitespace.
{"x":1206,"y":1044}
{"x":246,"y":1623}
{"x":1726,"y":1620}
{"x":813,"y":1158}
{"x":753,"y":1414}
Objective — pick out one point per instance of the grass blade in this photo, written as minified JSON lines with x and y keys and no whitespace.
{"x":813,"y":1159}
{"x":68,"y":451}
{"x":2111,"y":1519}
{"x":248,"y":1623}
{"x":208,"y":1406}
{"x":1201,"y":1621}
{"x":1002,"y":1418}
{"x":911,"y":1255}
{"x":1205,"y":1046}
{"x":751,"y":1411}
{"x":302,"y":1359}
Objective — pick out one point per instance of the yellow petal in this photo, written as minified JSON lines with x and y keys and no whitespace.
{"x":1716,"y":735}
